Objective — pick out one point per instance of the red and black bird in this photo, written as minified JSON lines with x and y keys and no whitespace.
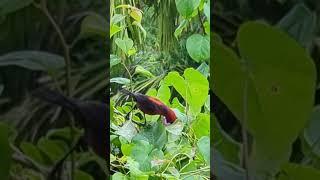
{"x":152,"y":106}
{"x":90,"y":114}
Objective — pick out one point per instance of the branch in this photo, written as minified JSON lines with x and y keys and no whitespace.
{"x":202,"y":25}
{"x":43,"y":7}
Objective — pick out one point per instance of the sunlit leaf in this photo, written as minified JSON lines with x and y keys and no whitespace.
{"x":124,"y":44}
{"x":120,"y":80}
{"x":187,"y":7}
{"x":136,"y":15}
{"x":140,"y":70}
{"x":128,"y":131}
{"x":114,"y":29}
{"x":201,"y":125}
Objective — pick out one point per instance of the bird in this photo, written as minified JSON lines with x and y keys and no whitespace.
{"x":91,"y":115}
{"x":152,"y":106}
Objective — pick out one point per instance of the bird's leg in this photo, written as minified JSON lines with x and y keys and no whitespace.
{"x":145,"y":120}
{"x":127,"y":115}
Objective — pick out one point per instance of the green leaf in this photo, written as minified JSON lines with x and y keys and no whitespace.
{"x":204,"y":147}
{"x":128,"y":131}
{"x":144,"y":32}
{"x":274,"y":79}
{"x":311,"y":133}
{"x":33,"y":60}
{"x":198,"y":47}
{"x":192,"y":88}
{"x":120,"y":80}
{"x":175,"y":128}
{"x":164,"y":94}
{"x":112,"y":103}
{"x":132,"y":51}
{"x":206,"y":10}
{"x":229,"y":148}
{"x":116,"y":18}
{"x":292,"y":171}
{"x":183,"y":24}
{"x":300,"y":23}
{"x":5,"y":152}
{"x":140,"y":153}
{"x":140,"y":70}
{"x":198,"y":87}
{"x":114,"y":60}
{"x":206,"y":25}
{"x":226,"y":170}
{"x":54,"y":149}
{"x":277,"y":77}
{"x":201,"y":125}
{"x":187,"y":7}
{"x":156,"y":135}
{"x":118,"y":176}
{"x":10,"y":6}
{"x":33,"y":152}
{"x":81,"y":175}
{"x":176,"y":104}
{"x":94,"y":25}
{"x":136,"y":15}
{"x":114,"y":29}
{"x":124,"y":44}
{"x":64,"y":134}
{"x":126,"y":149}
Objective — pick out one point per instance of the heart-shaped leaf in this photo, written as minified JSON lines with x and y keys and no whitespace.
{"x":187,"y":7}
{"x":124,"y":44}
{"x":198,"y":47}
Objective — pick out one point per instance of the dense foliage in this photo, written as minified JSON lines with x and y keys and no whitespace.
{"x":265,"y":86}
{"x":161,"y":49}
{"x":59,"y":44}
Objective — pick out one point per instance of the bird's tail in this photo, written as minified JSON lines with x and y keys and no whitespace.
{"x":54,"y":97}
{"x":124,"y":91}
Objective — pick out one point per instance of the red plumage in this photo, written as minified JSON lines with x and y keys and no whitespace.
{"x":152,"y":106}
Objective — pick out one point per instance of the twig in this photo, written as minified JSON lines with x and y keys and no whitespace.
{"x":202,"y":25}
{"x":66,"y":48}
{"x":43,"y":7}
{"x":244,"y":126}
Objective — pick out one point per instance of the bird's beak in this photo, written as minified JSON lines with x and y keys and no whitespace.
{"x":164,"y":121}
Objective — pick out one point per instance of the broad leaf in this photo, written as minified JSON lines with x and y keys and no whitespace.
{"x":187,"y":7}
{"x":198,"y":47}
{"x":94,"y":25}
{"x":124,"y":44}
{"x":33,"y":60}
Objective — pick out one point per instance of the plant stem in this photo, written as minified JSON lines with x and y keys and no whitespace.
{"x":244,"y":126}
{"x":43,"y":7}
{"x":66,"y":48}
{"x":202,"y":25}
